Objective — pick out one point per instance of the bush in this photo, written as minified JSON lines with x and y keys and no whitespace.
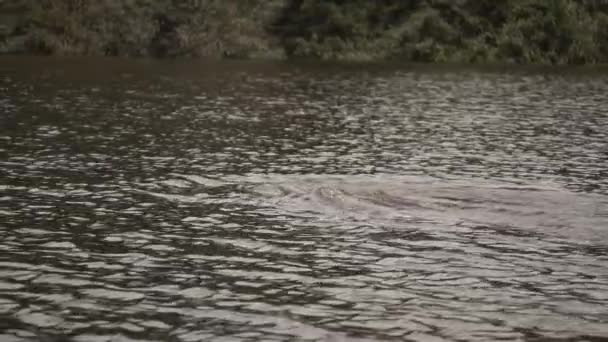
{"x":524,"y":31}
{"x":161,"y":28}
{"x":559,"y":32}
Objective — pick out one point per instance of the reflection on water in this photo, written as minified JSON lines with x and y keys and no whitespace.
{"x":248,"y":201}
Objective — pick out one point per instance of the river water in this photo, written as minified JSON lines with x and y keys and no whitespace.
{"x":250,"y":201}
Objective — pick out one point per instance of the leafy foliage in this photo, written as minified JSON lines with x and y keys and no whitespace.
{"x":140,"y":27}
{"x":518,"y":31}
{"x":522,"y":31}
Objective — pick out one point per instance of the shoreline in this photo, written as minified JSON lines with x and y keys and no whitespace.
{"x":199,"y":67}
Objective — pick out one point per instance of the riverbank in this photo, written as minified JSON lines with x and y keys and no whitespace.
{"x":527,"y":31}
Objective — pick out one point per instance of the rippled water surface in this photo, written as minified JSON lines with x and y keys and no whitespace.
{"x":192,"y":201}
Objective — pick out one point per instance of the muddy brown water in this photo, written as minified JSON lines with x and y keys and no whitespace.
{"x":255,"y":201}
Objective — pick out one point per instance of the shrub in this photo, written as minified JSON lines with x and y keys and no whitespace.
{"x":523,"y":31}
{"x":137,"y":27}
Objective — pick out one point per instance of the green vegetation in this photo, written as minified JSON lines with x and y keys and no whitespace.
{"x":516,"y":31}
{"x":522,"y":31}
{"x":161,"y":28}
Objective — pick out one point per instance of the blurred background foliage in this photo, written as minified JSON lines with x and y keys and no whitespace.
{"x":161,"y":28}
{"x":469,"y":31}
{"x":520,"y":31}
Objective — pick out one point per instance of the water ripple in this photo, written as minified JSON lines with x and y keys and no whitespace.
{"x":247,"y":202}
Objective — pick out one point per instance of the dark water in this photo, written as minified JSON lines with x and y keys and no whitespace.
{"x":191,"y":201}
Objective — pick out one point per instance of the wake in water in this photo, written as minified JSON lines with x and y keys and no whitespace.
{"x":389,"y":198}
